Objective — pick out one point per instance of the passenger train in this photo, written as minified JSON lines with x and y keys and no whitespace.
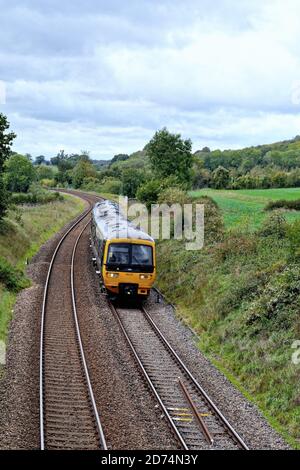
{"x":124,"y":254}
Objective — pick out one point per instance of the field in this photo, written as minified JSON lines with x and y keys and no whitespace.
{"x":245,"y":208}
{"x":22,"y":233}
{"x":241,"y":294}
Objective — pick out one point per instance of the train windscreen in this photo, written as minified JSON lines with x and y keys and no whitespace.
{"x":133,"y":256}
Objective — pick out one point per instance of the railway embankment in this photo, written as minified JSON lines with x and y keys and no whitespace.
{"x":241,"y":295}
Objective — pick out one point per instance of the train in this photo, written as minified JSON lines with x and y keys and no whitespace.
{"x":123,"y":253}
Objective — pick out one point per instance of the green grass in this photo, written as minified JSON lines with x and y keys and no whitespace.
{"x":7,"y":301}
{"x":244,"y":208}
{"x":22,"y":233}
{"x":241,"y":295}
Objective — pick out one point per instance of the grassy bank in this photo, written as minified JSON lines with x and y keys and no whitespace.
{"x":22,"y":233}
{"x":245,"y":208}
{"x":241,"y":293}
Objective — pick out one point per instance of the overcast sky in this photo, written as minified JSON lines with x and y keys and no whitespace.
{"x":105,"y":75}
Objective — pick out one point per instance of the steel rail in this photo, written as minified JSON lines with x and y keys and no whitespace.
{"x":209,"y":401}
{"x":42,"y":340}
{"x":102,"y":440}
{"x":41,"y":376}
{"x":148,"y":379}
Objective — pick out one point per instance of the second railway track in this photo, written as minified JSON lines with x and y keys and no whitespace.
{"x":68,"y":414}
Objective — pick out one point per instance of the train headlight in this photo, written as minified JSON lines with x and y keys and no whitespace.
{"x":113,"y":275}
{"x":145,"y":276}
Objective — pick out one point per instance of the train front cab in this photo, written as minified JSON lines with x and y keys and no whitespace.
{"x":129,"y":267}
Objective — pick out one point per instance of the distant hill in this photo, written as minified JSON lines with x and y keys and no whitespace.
{"x":100,"y":164}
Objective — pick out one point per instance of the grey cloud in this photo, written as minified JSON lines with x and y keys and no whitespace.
{"x":219,"y":72}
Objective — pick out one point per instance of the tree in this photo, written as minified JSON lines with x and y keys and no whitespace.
{"x":40,"y":160}
{"x":131,"y":180}
{"x":148,"y":193}
{"x":45,"y":172}
{"x":6,"y":140}
{"x":119,"y":158}
{"x":171,"y":155}
{"x":19,"y":173}
{"x":83,"y":169}
{"x":220,"y":178}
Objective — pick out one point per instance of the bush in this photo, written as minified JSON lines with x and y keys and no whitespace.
{"x":234,"y":245}
{"x":12,"y":278}
{"x":148,"y":193}
{"x":132,"y":179}
{"x":48,"y":183}
{"x":283,"y":204}
{"x":293,"y":236}
{"x":274,"y":226}
{"x":112,"y":185}
{"x":173,"y":196}
{"x":19,"y":173}
{"x":45,"y":172}
{"x":4,"y":199}
{"x":213,"y":220}
{"x":36,"y":195}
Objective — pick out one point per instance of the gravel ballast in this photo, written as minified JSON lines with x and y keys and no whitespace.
{"x":243,"y":415}
{"x":129,"y":413}
{"x":19,"y":387}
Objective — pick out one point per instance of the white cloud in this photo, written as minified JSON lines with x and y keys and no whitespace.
{"x":221,"y":73}
{"x":2,"y":93}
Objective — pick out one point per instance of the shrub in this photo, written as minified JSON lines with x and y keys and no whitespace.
{"x":36,"y":195}
{"x":274,"y":226}
{"x":132,"y":179}
{"x":148,"y":193}
{"x":12,"y":278}
{"x":19,"y":173}
{"x":236,"y":244}
{"x":48,"y":183}
{"x":213,"y":220}
{"x":112,"y":185}
{"x":293,"y":236}
{"x":173,"y":196}
{"x":283,"y":204}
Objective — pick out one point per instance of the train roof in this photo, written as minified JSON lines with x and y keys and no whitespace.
{"x":112,"y":223}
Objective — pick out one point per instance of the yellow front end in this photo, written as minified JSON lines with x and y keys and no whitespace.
{"x":112,"y":279}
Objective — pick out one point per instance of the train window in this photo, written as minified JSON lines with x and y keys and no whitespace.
{"x":142,"y":255}
{"x":118,"y":254}
{"x":130,"y":255}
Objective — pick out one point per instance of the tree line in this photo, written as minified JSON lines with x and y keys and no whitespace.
{"x":165,"y":162}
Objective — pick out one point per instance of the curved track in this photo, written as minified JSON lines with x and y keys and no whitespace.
{"x":195,"y":420}
{"x":68,"y":414}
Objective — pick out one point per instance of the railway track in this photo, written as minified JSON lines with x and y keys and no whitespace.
{"x":68,"y":414}
{"x":195,"y":420}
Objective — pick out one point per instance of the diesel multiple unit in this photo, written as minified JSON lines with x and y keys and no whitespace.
{"x":124,"y":254}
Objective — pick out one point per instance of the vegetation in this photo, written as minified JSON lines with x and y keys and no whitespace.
{"x":19,"y":173}
{"x":241,"y":294}
{"x":170,"y":155}
{"x":283,"y":204}
{"x":22,"y":233}
{"x":36,"y":195}
{"x":6,"y":139}
{"x":244,"y":209}
{"x":265,"y":166}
